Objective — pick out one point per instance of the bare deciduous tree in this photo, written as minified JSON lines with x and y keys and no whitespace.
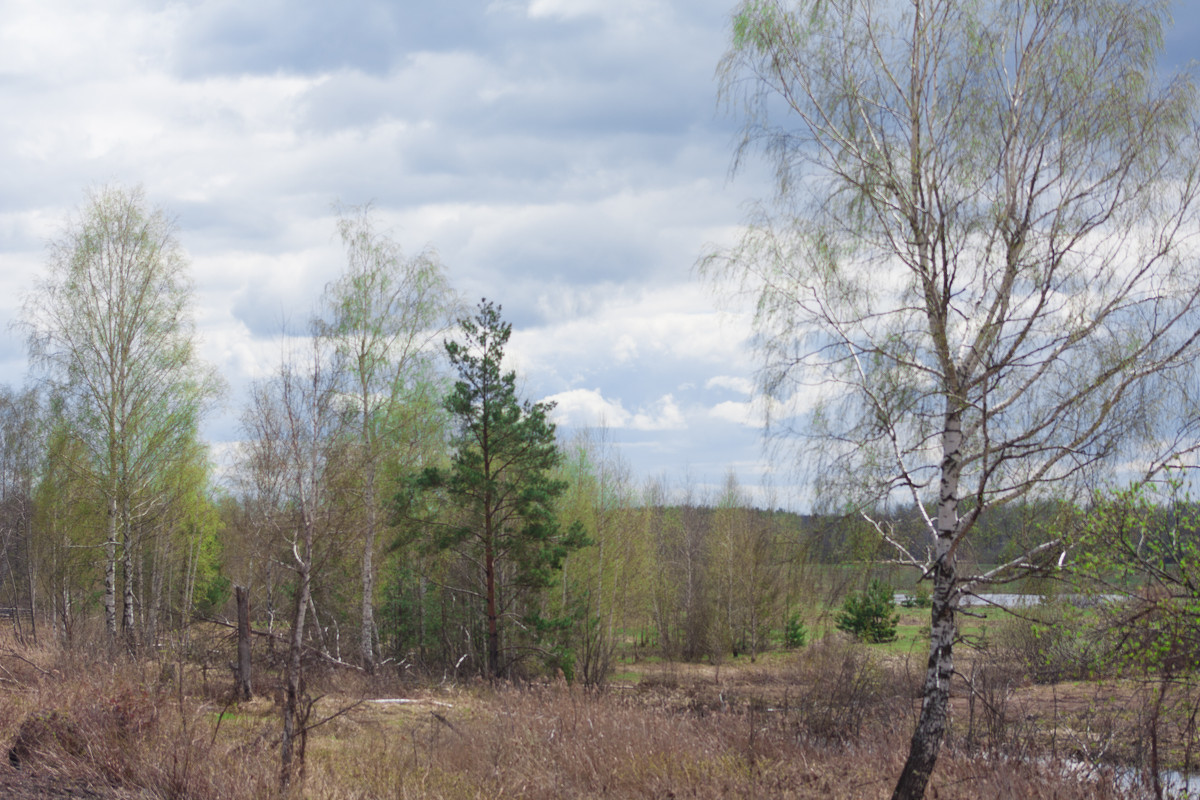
{"x":292,"y":430}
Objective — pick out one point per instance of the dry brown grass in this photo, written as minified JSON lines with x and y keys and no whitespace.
{"x":832,"y":722}
{"x":556,"y":743}
{"x":113,"y":723}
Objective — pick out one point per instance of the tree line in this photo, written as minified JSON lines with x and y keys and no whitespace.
{"x":392,"y":499}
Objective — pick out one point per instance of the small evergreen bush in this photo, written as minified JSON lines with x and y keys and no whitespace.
{"x":794,"y":633}
{"x":869,"y":615}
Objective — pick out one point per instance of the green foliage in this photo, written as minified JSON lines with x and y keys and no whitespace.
{"x":606,"y":581}
{"x":69,"y":515}
{"x":869,"y":615}
{"x":423,"y":622}
{"x":500,"y":490}
{"x":504,"y":454}
{"x":213,"y":595}
{"x":795,"y":635}
{"x":1138,"y":551}
{"x":555,"y":635}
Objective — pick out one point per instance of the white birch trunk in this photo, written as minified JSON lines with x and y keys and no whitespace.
{"x":935,"y":703}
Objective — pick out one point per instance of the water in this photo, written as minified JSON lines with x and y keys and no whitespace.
{"x":1016,"y":600}
{"x":1175,"y":784}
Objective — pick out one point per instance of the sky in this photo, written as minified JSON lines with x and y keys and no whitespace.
{"x":566,"y":159}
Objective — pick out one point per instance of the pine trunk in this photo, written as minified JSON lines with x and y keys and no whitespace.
{"x":493,"y":622}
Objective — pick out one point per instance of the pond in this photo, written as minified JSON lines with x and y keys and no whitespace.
{"x":1016,"y":600}
{"x":1174,"y":783}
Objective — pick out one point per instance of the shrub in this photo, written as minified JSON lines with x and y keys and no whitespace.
{"x":1053,"y":643}
{"x":920,"y":598}
{"x":869,"y":615}
{"x":845,"y":689}
{"x":213,"y":596}
{"x":794,"y":633}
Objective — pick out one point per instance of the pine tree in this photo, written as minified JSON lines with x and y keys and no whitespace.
{"x":502,"y":491}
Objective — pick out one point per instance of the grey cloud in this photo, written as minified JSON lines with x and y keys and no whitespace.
{"x":568,"y":246}
{"x":267,"y":311}
{"x":577,"y":77}
{"x":681,"y":455}
{"x":312,"y":36}
{"x":215,"y":226}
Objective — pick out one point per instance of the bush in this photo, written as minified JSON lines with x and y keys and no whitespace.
{"x":213,"y":596}
{"x":869,"y":615}
{"x":920,"y":598}
{"x":1053,"y":642}
{"x":844,"y":690}
{"x":794,"y":633}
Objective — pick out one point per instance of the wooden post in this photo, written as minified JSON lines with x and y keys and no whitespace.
{"x":242,"y":689}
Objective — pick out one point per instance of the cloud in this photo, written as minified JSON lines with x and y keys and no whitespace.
{"x":651,"y":327}
{"x":567,"y":9}
{"x":746,"y":414}
{"x":751,"y":414}
{"x":563,"y":157}
{"x":734,"y":383}
{"x":587,"y":408}
{"x":583,"y":408}
{"x":664,"y":415}
{"x":222,"y":37}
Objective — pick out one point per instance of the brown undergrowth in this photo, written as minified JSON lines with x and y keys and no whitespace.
{"x":831,"y":721}
{"x":107,"y":725}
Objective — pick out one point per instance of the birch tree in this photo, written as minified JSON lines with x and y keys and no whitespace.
{"x":977,"y":281}
{"x":604,"y":585}
{"x":68,"y":530}
{"x":382,"y":315}
{"x":745,"y":569}
{"x":111,"y":326}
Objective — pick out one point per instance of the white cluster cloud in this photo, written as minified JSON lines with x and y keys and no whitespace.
{"x":747,"y":414}
{"x":565,"y":158}
{"x":674,"y":322}
{"x":734,"y":383}
{"x":588,"y":408}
